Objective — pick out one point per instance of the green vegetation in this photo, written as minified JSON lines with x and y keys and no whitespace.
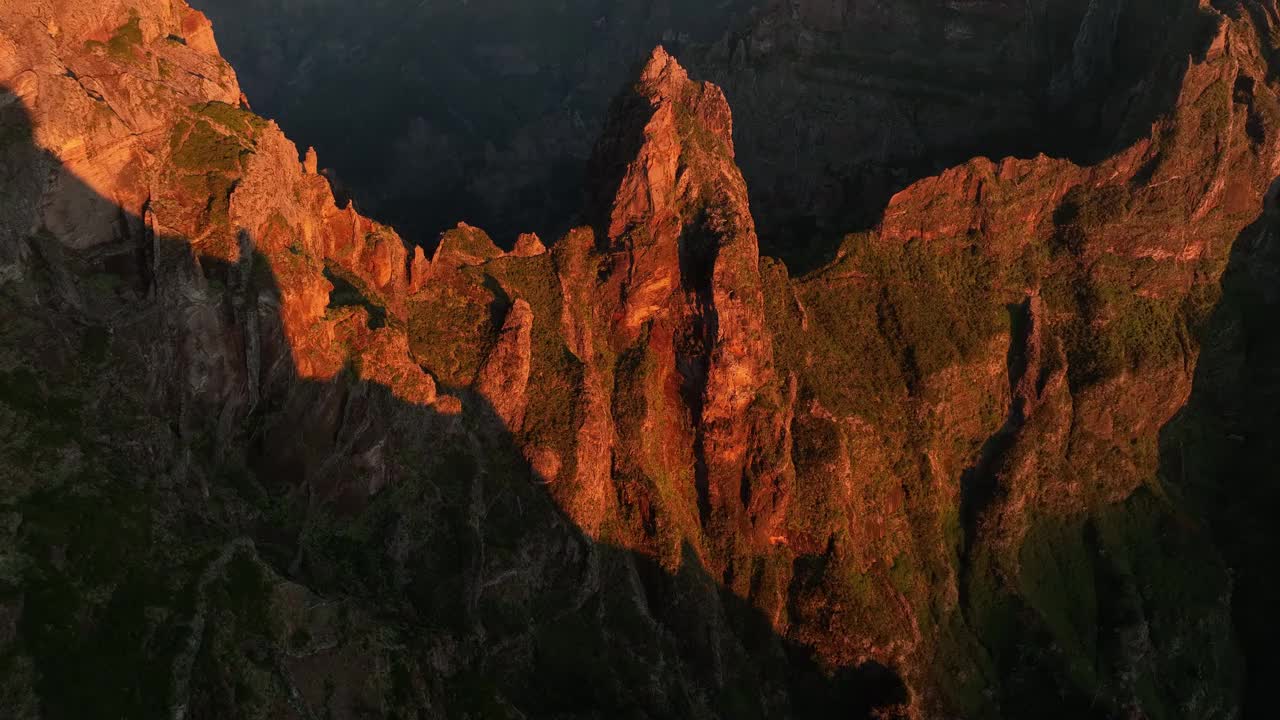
{"x":99,"y":583}
{"x":216,"y":189}
{"x":1121,"y":337}
{"x":242,"y":123}
{"x":52,"y":419}
{"x":1215,"y":110}
{"x":1113,"y":327}
{"x":573,"y":664}
{"x":555,"y":374}
{"x":1056,"y":577}
{"x":15,"y":128}
{"x":1160,"y":572}
{"x":201,"y":147}
{"x":1095,"y":588}
{"x":816,"y":447}
{"x":883,"y":319}
{"x":470,"y":242}
{"x":1094,"y":208}
{"x":695,"y":137}
{"x":123,"y":41}
{"x":96,"y":619}
{"x":95,"y":344}
{"x":234,"y":674}
{"x":451,"y":328}
{"x":1264,"y":111}
{"x":902,"y":574}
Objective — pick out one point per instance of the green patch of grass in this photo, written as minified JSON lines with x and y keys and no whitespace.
{"x":105,"y":283}
{"x":991,"y":606}
{"x":1089,"y":587}
{"x":452,"y":328}
{"x":241,"y":122}
{"x":477,"y":694}
{"x":1094,"y":208}
{"x":964,"y":670}
{"x":126,"y":37}
{"x":248,"y":594}
{"x":1114,"y":329}
{"x":96,"y":534}
{"x":1165,"y":576}
{"x":470,"y":242}
{"x":883,"y":319}
{"x":299,"y":639}
{"x":816,"y":446}
{"x":53,"y":417}
{"x":216,"y":190}
{"x":555,"y":374}
{"x":573,"y":665}
{"x":902,"y":574}
{"x":15,"y":128}
{"x":202,"y":148}
{"x":20,"y":389}
{"x":234,"y":674}
{"x":1215,"y":109}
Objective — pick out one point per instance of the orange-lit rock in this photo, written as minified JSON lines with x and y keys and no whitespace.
{"x":937,"y":465}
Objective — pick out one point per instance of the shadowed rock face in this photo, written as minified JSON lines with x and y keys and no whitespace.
{"x":262,"y":458}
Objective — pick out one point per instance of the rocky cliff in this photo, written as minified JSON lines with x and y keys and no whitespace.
{"x":263,"y":458}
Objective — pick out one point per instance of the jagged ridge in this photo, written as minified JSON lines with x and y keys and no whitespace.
{"x":640,"y":455}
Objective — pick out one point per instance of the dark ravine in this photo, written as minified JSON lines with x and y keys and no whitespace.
{"x":260,"y":457}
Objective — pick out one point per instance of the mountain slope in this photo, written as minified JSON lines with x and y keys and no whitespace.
{"x":263,"y":458}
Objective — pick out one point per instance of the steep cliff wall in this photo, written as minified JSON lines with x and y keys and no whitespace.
{"x":263,"y":458}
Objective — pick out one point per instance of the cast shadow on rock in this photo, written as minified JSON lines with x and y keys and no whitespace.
{"x":1220,"y":453}
{"x":188,"y":504}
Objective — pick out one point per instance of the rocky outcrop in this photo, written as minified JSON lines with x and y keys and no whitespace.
{"x":262,"y":457}
{"x":504,"y":377}
{"x":681,"y":258}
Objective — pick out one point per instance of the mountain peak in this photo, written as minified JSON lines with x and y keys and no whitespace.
{"x":936,"y":477}
{"x":662,"y":76}
{"x":666,"y":149}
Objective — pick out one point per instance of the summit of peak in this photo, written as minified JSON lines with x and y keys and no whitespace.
{"x":662,"y":76}
{"x":663,"y":125}
{"x":660,"y":61}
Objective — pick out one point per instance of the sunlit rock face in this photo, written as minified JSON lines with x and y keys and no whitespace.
{"x":263,"y":457}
